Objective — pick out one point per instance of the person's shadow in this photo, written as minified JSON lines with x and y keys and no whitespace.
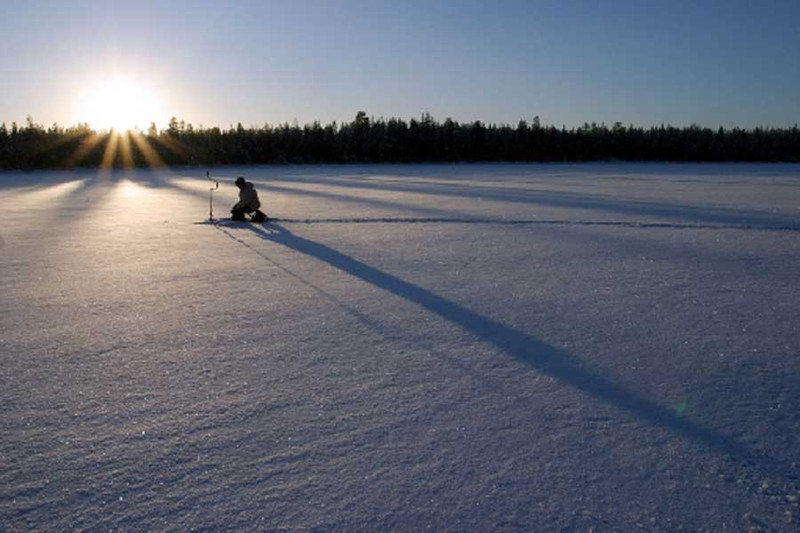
{"x":537,"y":354}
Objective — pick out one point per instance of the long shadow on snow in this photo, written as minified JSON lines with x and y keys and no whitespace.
{"x":531,"y":222}
{"x":353,"y":199}
{"x":563,"y":199}
{"x":355,"y":313}
{"x":535,"y":353}
{"x":97,"y":185}
{"x":93,"y":189}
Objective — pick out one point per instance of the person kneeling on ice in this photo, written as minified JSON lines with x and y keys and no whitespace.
{"x":248,"y":202}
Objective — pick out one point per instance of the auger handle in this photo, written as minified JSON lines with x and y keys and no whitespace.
{"x":211,"y":196}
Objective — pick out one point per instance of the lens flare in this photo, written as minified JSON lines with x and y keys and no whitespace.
{"x":120,"y":104}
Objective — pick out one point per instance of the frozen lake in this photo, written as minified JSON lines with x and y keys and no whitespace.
{"x":421,"y":347}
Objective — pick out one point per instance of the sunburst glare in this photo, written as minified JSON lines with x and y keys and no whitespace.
{"x":121,"y":104}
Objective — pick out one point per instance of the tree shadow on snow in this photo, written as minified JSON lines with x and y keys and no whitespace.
{"x":539,"y":355}
{"x":681,"y":213}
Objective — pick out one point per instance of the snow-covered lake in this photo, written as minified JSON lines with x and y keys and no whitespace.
{"x":407,"y":348}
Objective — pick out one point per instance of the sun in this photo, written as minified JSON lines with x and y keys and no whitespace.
{"x":120,"y":104}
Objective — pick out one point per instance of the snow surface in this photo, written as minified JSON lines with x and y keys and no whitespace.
{"x":408,"y":348}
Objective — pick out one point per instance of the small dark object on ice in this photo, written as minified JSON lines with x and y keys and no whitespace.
{"x":257,"y":217}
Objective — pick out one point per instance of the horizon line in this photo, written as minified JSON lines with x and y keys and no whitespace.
{"x":535,"y":122}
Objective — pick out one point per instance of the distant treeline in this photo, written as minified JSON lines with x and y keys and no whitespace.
{"x":367,"y":140}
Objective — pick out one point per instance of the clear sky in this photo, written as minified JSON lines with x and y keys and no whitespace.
{"x":727,"y":62}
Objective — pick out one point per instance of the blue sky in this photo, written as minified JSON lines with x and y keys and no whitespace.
{"x":217,"y":63}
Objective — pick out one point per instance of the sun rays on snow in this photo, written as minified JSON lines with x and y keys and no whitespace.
{"x":124,"y":149}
